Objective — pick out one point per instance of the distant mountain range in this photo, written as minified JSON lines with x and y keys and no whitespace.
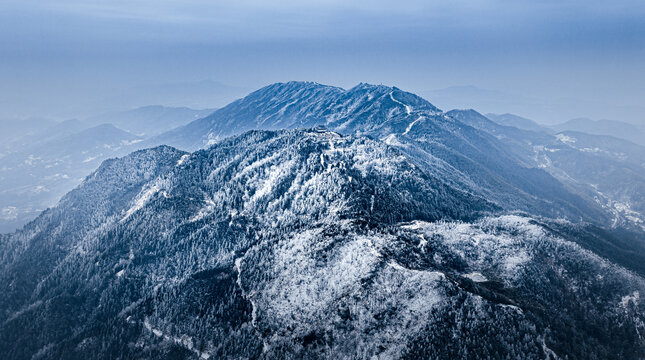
{"x":359,"y":110}
{"x":613,"y":128}
{"x":550,"y":111}
{"x":310,"y":221}
{"x":41,"y":160}
{"x":151,"y":120}
{"x":518,"y":122}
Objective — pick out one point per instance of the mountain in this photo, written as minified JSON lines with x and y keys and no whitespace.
{"x":151,"y":120}
{"x":277,"y":106}
{"x":472,"y":159}
{"x":551,"y":109}
{"x":501,"y":164}
{"x":306,"y":244}
{"x":13,"y":129}
{"x":36,"y":174}
{"x":44,"y":159}
{"x":518,"y":122}
{"x":303,"y":104}
{"x":611,"y":167}
{"x":613,"y":128}
{"x":608,"y":170}
{"x":386,"y":228}
{"x":39,"y":133}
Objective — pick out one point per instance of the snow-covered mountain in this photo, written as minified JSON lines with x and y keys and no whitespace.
{"x":386,"y":228}
{"x":304,"y":104}
{"x":471,"y":158}
{"x":305,"y":244}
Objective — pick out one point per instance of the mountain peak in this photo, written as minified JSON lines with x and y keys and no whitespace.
{"x":472,"y":112}
{"x":299,"y":104}
{"x":294,"y":86}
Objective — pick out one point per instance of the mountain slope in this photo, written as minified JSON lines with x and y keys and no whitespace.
{"x":604,"y":169}
{"x":302,"y":244}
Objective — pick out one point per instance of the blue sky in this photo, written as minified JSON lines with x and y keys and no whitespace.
{"x":552,"y":60}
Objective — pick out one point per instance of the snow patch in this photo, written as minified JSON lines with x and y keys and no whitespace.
{"x":392,"y":140}
{"x":184,"y":341}
{"x":407,"y":130}
{"x":633,"y":298}
{"x":143,"y":198}
{"x":277,"y":172}
{"x":182,"y":159}
{"x":205,"y":211}
{"x":408,"y":108}
{"x":565,"y":139}
{"x":476,"y":277}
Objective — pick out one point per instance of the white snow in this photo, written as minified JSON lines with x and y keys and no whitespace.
{"x":131,"y":142}
{"x":183,"y":341}
{"x":256,"y":164}
{"x":392,"y":140}
{"x":205,"y":211}
{"x":407,"y":130}
{"x":182,"y":159}
{"x":484,"y":240}
{"x":550,"y":354}
{"x":276,"y":172}
{"x":476,"y":277}
{"x":366,"y":157}
{"x":31,"y":159}
{"x":408,"y":108}
{"x":38,"y":189}
{"x":633,"y":298}
{"x":416,"y":225}
{"x":565,"y":139}
{"x":142,"y":199}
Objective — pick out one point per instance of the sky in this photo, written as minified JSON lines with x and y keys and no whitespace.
{"x":544,"y":59}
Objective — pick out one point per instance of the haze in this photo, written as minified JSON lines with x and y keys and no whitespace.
{"x":547,"y":60}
